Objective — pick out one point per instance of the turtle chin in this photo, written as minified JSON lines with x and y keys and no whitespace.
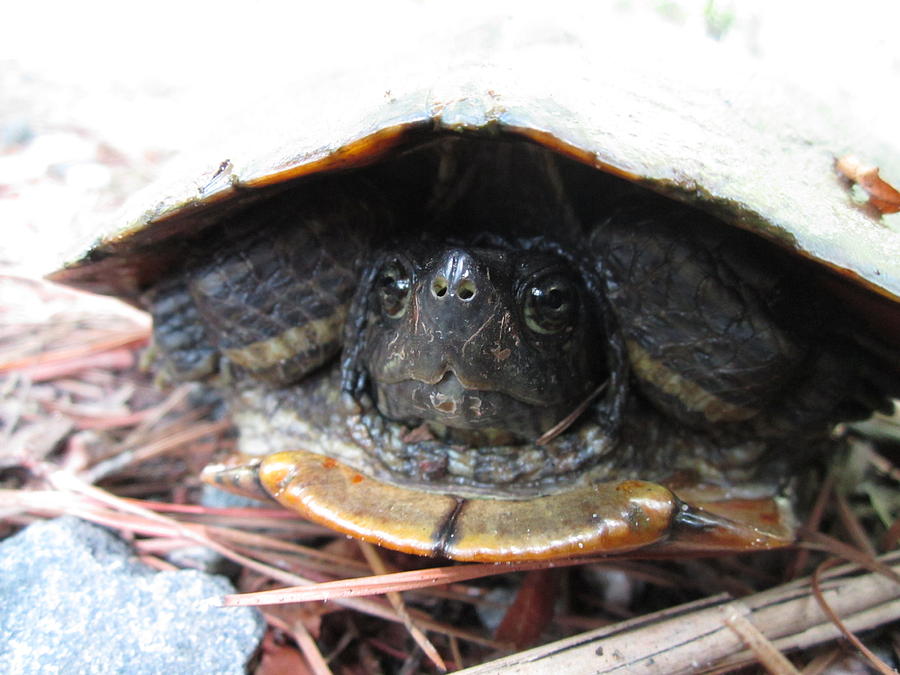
{"x":471,"y":416}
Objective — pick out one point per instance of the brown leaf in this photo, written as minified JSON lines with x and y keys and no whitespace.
{"x":531,"y":611}
{"x":882,"y":195}
{"x":278,"y":658}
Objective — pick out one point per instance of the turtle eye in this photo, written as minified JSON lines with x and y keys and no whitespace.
{"x":550,"y":304}
{"x":392,"y":285}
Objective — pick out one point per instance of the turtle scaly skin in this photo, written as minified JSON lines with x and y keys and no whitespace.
{"x":267,"y":297}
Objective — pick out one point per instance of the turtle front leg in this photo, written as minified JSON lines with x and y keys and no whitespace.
{"x":722,"y":331}
{"x":180,"y":341}
{"x":266,"y":294}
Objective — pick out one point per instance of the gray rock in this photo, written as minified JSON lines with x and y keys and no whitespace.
{"x":220,"y":499}
{"x":74,"y":599}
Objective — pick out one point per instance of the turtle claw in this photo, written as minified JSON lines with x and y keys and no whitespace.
{"x":732,"y":525}
{"x":242,"y":480}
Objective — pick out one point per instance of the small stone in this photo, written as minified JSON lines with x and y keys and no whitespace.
{"x":75,"y":599}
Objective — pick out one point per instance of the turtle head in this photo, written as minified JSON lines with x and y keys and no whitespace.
{"x":485,"y":345}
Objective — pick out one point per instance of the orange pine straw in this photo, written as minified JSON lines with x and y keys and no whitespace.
{"x":107,"y":422}
{"x":179,"y":438}
{"x":116,"y":359}
{"x":397,"y":581}
{"x":377,"y":564}
{"x":132,"y":339}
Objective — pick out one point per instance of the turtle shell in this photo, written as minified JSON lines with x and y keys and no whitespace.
{"x":698,"y":129}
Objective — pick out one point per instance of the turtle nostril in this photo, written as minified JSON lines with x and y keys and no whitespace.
{"x":465,"y":290}
{"x":439,"y":287}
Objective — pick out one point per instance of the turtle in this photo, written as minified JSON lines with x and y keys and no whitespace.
{"x":493,"y":311}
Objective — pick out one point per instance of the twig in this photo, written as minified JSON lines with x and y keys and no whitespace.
{"x":735,"y":615}
{"x":693,"y":637}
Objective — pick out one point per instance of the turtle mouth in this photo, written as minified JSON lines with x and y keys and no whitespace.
{"x":450,"y":403}
{"x":452,"y":380}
